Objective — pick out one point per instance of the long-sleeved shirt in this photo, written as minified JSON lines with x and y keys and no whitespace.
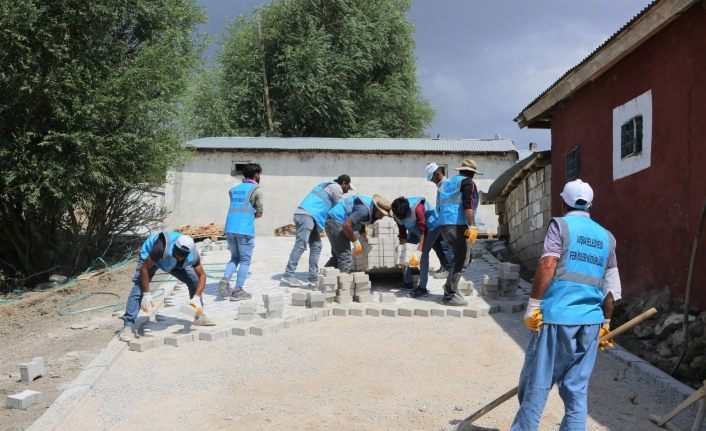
{"x":256,"y":198}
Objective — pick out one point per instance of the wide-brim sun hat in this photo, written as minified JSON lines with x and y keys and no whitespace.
{"x":469,"y":165}
{"x":382,"y":204}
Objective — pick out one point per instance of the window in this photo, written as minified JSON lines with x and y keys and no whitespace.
{"x":443,"y":169}
{"x":236,"y":168}
{"x":573,"y":164}
{"x":631,"y":137}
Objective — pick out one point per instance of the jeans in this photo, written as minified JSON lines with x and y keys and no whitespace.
{"x":341,"y":255}
{"x":307,"y":232}
{"x":241,"y":248}
{"x":454,"y":236}
{"x":561,"y":354}
{"x":186,"y":275}
{"x":441,"y":248}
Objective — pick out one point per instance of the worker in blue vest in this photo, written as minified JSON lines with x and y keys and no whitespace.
{"x":575,"y":286}
{"x":245,"y":206}
{"x":346,"y":223}
{"x":309,"y":219}
{"x":415,"y":217}
{"x":175,"y":254}
{"x":436,"y":175}
{"x":457,"y":201}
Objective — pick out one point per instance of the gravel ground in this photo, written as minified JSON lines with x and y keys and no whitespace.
{"x":346,"y":373}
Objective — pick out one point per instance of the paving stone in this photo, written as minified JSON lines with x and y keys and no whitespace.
{"x":363,"y":298}
{"x":375,"y":312}
{"x":320,"y":314}
{"x":274,"y":314}
{"x":177,"y":340}
{"x":438,"y":312}
{"x":214,"y":335}
{"x":354,"y":311}
{"x":299,"y":302}
{"x":23,"y":400}
{"x":423,"y":312}
{"x":404,"y":311}
{"x":388,"y":298}
{"x":477,"y":311}
{"x":331,"y":272}
{"x":340,"y":311}
{"x":343,"y":300}
{"x":389,"y":312}
{"x":454,"y":312}
{"x":145,"y":343}
{"x":32,"y":369}
{"x":239,"y":331}
{"x":262,"y":330}
{"x":360,"y":277}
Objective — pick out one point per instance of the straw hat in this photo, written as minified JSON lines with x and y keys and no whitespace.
{"x":468,"y":165}
{"x":382,"y":204}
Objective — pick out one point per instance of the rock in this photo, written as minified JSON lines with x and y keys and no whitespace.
{"x":669,"y":325}
{"x":79,"y":326}
{"x":57,"y":278}
{"x":696,"y":348}
{"x":698,"y":363}
{"x":664,"y":350}
{"x":44,"y":286}
{"x":696,"y":329}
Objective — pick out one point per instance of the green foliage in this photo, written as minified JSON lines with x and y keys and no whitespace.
{"x":340,"y":68}
{"x":87,"y":110}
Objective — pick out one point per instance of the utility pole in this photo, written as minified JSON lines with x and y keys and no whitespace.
{"x":268,"y":109}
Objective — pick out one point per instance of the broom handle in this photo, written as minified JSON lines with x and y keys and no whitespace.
{"x":609,"y":336}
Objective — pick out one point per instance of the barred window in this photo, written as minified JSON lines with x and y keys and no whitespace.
{"x":573,"y":164}
{"x":631,"y":137}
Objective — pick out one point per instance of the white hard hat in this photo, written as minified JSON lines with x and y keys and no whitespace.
{"x":430,"y":169}
{"x":577,"y":190}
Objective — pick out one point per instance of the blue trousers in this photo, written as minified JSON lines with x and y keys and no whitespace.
{"x":186,"y":275}
{"x":241,"y":248}
{"x":562,"y":355}
{"x":307,"y":232}
{"x":433,"y":241}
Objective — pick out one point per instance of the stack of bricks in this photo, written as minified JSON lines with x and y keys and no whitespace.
{"x":344,"y":294}
{"x":246,"y":311}
{"x":328,"y":282}
{"x":316,"y":299}
{"x":490,"y":287}
{"x":465,"y":288}
{"x":299,"y":298}
{"x":362,"y":286}
{"x":274,"y":304}
{"x":509,"y":279}
{"x":381,"y":254}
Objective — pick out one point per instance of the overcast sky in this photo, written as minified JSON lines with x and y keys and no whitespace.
{"x":480,"y":62}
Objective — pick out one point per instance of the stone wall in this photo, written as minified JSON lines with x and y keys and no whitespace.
{"x":524,"y":215}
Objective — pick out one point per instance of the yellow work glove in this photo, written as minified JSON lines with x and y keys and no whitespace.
{"x":533,"y":314}
{"x":602,"y":345}
{"x":357,"y":248}
{"x":414,"y":260}
{"x":471,"y":234}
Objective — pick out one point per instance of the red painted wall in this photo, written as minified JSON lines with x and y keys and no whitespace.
{"x":652,"y":213}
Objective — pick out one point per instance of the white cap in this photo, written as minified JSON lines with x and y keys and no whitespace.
{"x":430,"y":169}
{"x":184,"y":243}
{"x":577,"y":190}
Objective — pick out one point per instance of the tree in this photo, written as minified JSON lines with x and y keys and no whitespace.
{"x":87,"y":123}
{"x":339,"y":68}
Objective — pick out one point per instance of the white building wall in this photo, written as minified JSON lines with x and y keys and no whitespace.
{"x":198,"y":192}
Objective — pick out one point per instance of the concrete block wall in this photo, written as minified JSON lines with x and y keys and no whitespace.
{"x":526,"y":213}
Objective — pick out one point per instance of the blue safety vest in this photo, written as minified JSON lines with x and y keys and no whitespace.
{"x":449,"y":202}
{"x":168,"y":261}
{"x":343,"y":209}
{"x":575,"y":295}
{"x":241,"y":214}
{"x":410,"y":222}
{"x":318,"y":203}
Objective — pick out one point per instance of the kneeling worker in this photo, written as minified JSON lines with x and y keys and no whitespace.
{"x":346,"y":223}
{"x":175,"y":254}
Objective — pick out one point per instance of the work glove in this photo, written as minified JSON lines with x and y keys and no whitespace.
{"x":401,"y":255}
{"x":471,"y":234}
{"x":414,"y":260}
{"x":146,"y":302}
{"x":195,"y":303}
{"x":366,"y":245}
{"x":533,"y":314}
{"x":357,"y":248}
{"x":602,"y":345}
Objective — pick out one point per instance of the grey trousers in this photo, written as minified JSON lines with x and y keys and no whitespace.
{"x":341,"y":254}
{"x":454,"y":236}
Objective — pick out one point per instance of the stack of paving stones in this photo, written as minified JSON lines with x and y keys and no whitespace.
{"x":316,"y":299}
{"x":361,"y":292}
{"x":346,"y":287}
{"x":509,"y":279}
{"x":247,"y":311}
{"x":382,"y":239}
{"x":328,"y":283}
{"x":466,"y":288}
{"x":274,"y":305}
{"x":490,"y":287}
{"x":299,"y":297}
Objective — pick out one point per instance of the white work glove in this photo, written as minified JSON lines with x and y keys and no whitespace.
{"x":357,"y":248}
{"x":196,"y":303}
{"x":533,"y":314}
{"x":146,"y":302}
{"x":364,"y":242}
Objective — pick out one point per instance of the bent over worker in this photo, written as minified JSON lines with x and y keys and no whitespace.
{"x":346,"y":223}
{"x":175,"y":254}
{"x":309,"y":220}
{"x":415,"y":217}
{"x":570,"y":306}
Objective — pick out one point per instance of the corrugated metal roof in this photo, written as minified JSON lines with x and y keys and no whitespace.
{"x":495,"y":190}
{"x":357,"y":144}
{"x":591,"y":55}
